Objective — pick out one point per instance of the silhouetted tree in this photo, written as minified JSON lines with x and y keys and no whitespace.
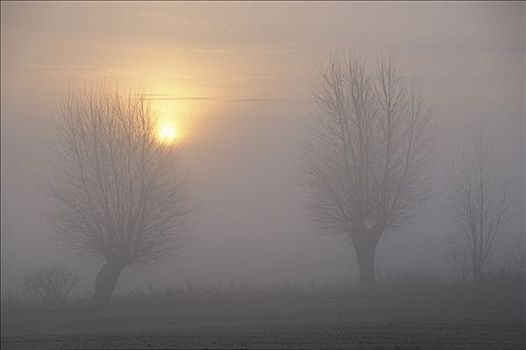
{"x":120,"y":192}
{"x":366,"y":157}
{"x":50,"y":285}
{"x":480,"y":204}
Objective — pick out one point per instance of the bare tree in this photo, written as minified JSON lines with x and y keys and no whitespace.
{"x":50,"y":285}
{"x":120,"y":192}
{"x":366,"y":157}
{"x":480,"y":204}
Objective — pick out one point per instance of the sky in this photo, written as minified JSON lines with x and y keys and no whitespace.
{"x":236,"y":80}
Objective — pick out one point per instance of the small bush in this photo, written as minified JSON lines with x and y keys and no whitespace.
{"x":50,"y":285}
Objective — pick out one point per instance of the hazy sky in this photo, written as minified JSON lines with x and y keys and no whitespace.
{"x":236,"y":79}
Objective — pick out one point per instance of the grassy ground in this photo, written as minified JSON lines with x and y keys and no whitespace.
{"x":434,"y":317}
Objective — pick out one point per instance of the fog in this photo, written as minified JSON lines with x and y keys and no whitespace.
{"x":244,"y":72}
{"x":238,"y":80}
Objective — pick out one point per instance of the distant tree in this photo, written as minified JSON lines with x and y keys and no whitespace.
{"x":480,"y":204}
{"x":367,"y":154}
{"x":120,"y":192}
{"x":50,"y":285}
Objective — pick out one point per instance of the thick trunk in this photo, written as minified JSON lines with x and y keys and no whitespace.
{"x":365,"y":248}
{"x":477,"y":272}
{"x":106,"y":280}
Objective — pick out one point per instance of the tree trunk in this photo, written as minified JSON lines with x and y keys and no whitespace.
{"x":477,"y":272}
{"x":106,"y":280}
{"x":365,"y":248}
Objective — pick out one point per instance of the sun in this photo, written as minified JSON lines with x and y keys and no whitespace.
{"x":166,"y":134}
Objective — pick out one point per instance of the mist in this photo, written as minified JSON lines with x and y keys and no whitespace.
{"x":238,"y":79}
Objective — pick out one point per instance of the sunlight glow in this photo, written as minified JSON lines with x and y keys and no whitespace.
{"x":166,"y":134}
{"x":175,"y":111}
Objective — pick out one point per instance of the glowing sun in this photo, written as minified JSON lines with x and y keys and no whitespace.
{"x":166,"y":134}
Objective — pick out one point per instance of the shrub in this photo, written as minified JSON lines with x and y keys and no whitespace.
{"x":50,"y":285}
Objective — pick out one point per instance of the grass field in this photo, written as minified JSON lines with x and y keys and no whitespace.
{"x":437,"y":317}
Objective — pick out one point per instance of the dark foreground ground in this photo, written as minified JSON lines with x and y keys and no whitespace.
{"x":445,"y":317}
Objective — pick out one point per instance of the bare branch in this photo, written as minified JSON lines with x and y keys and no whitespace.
{"x":120,"y":193}
{"x":480,"y":205}
{"x":369,"y":147}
